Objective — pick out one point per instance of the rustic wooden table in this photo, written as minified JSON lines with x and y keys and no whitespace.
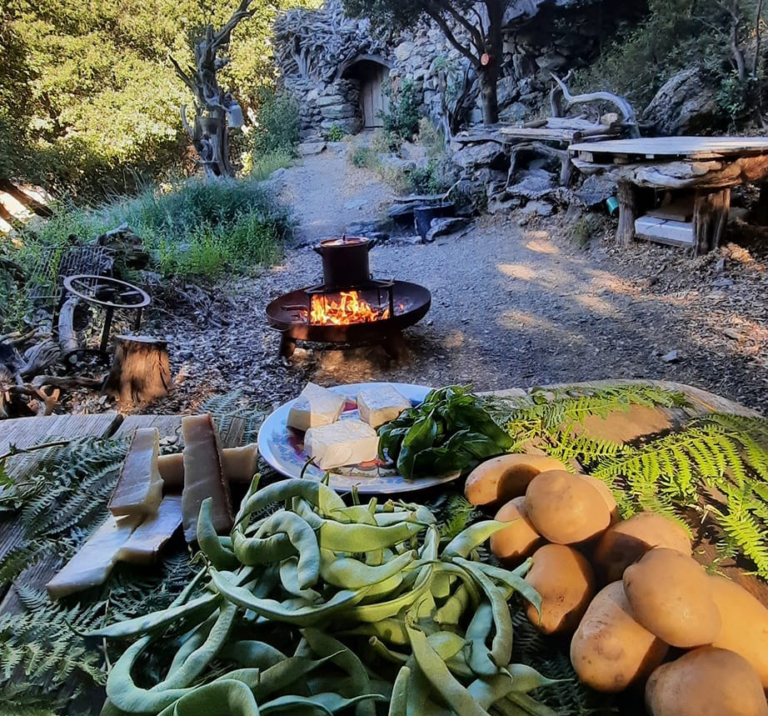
{"x":624,"y":427}
{"x":708,"y":166}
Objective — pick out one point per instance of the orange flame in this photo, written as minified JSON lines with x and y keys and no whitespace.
{"x":348,"y":307}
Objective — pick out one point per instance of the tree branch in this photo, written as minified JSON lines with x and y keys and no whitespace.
{"x":475,"y":35}
{"x":758,"y":38}
{"x":443,"y":25}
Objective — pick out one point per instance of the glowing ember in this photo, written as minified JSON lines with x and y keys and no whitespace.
{"x":344,"y":308}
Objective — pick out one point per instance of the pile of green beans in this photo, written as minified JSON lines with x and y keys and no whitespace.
{"x":320,"y":607}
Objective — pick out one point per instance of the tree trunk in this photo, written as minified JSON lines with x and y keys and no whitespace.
{"x":140,"y":370}
{"x":489,"y":77}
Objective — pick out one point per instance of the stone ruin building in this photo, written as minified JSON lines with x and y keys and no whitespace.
{"x":337,"y":67}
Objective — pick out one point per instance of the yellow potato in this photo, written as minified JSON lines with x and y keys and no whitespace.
{"x":498,"y":480}
{"x":517,"y":541}
{"x":606,"y":494}
{"x":566,"y":583}
{"x":671,"y":596}
{"x":706,"y":682}
{"x":745,"y":624}
{"x":625,"y":542}
{"x":610,"y":650}
{"x":565,"y":509}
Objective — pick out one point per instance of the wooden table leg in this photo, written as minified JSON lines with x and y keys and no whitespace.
{"x":710,"y":217}
{"x":627,"y":196}
{"x":761,"y":209}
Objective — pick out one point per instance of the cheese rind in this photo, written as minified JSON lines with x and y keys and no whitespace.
{"x":144,"y":545}
{"x":315,"y":406}
{"x":139,"y":488}
{"x":203,"y":476}
{"x":347,"y":442}
{"x":381,"y":404}
{"x":93,"y":563}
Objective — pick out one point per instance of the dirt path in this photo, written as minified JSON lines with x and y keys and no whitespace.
{"x":328,"y":194}
{"x":511,"y":307}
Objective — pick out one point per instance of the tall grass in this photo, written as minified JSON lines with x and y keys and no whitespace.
{"x":192,"y":228}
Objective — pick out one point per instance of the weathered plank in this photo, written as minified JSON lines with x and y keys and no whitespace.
{"x":690,"y":147}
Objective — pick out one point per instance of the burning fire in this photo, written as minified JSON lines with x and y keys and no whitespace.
{"x":347,"y":307}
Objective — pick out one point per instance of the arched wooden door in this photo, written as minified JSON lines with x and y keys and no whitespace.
{"x":373,"y":101}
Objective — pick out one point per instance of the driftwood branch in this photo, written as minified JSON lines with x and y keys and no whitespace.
{"x":626,"y":109}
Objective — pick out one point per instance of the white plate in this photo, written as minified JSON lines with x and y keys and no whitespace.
{"x":283,"y":448}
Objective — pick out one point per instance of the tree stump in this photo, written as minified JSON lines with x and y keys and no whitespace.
{"x":710,"y":216}
{"x":140,"y":370}
{"x":627,"y":196}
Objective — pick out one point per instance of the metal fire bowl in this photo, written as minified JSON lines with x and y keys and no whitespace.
{"x":281,"y":314}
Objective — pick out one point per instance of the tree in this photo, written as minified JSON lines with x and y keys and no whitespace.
{"x":215,"y":109}
{"x":474,"y":29}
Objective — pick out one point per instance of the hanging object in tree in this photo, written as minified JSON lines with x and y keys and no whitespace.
{"x":215,"y":110}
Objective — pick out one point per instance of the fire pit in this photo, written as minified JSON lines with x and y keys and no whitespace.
{"x":349,"y":306}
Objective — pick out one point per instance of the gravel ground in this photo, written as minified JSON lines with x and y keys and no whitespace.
{"x":512,"y":307}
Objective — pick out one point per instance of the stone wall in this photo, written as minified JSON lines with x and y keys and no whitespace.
{"x":541,"y":37}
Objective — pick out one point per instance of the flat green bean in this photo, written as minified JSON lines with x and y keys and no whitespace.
{"x":478,"y":633}
{"x":513,"y":581}
{"x":262,"y":550}
{"x":438,"y":674}
{"x":527,"y":679}
{"x":349,"y":573}
{"x":385,"y":588}
{"x":530,"y":705}
{"x":329,"y":703}
{"x":391,"y":608}
{"x":358,"y":539}
{"x":197,"y":610}
{"x":453,"y":608}
{"x":271,"y":609}
{"x":252,"y":654}
{"x":194,"y":640}
{"x":446,"y":644}
{"x":226,"y":697}
{"x":283,"y":674}
{"x":398,"y":703}
{"x":418,"y":690}
{"x":289,"y":577}
{"x":487,"y":691}
{"x":389,"y":630}
{"x":471,"y":538}
{"x":200,"y":658}
{"x":210,"y":543}
{"x":501,"y":647}
{"x":382,"y":650}
{"x":319,"y":495}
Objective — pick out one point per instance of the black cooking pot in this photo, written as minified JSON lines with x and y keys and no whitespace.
{"x":345,"y":261}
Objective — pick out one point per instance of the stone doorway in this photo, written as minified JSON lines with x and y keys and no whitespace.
{"x":370,"y":74}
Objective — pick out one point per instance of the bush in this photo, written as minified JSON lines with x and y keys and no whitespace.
{"x":193,"y":228}
{"x":335,"y":133}
{"x":402,"y":121}
{"x":364,"y":157}
{"x":277,"y":123}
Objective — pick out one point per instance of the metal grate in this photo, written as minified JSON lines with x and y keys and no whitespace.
{"x":54,"y":264}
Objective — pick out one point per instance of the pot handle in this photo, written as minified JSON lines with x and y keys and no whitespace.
{"x":372,"y":243}
{"x":318,"y":249}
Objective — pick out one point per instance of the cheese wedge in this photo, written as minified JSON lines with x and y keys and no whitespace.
{"x":139,"y":488}
{"x":203,"y":476}
{"x":238,"y":464}
{"x":314,"y":407}
{"x":144,"y":545}
{"x":381,"y":405}
{"x":346,"y":442}
{"x":93,"y":563}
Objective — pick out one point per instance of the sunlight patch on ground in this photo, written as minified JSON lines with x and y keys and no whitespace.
{"x":540,"y":243}
{"x":596,"y":304}
{"x":455,"y":339}
{"x":518,"y":271}
{"x":526,"y":323}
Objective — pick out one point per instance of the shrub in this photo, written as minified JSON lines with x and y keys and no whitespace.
{"x":364,"y":157}
{"x":403,"y":118}
{"x":277,"y":123}
{"x":335,"y":133}
{"x":192,"y":227}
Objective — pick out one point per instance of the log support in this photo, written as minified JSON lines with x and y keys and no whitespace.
{"x":627,"y":196}
{"x":761,"y":209}
{"x":710,"y":217}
